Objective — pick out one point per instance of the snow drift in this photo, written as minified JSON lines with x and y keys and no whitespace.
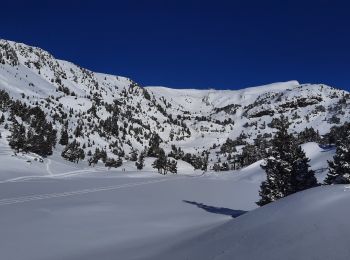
{"x":308,"y":225}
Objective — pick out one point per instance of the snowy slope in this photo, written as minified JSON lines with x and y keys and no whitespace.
{"x":312,"y":224}
{"x":195,"y":120}
{"x":112,"y":216}
{"x":79,"y":212}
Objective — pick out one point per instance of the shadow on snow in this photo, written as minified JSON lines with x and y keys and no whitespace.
{"x":216,"y":210}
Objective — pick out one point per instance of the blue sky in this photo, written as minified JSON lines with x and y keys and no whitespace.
{"x":197,"y":44}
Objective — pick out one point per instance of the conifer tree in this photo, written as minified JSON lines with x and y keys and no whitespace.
{"x":339,"y":168}
{"x":172,"y":166}
{"x":72,"y":152}
{"x":161,"y":162}
{"x":302,"y":176}
{"x":287,"y":169}
{"x":154,"y":142}
{"x":17,"y":139}
{"x":140,"y":163}
{"x":111,"y":162}
{"x":64,"y":136}
{"x":133,"y":156}
{"x":2,"y":119}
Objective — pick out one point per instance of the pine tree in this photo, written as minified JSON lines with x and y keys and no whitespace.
{"x":119,"y":162}
{"x":78,"y":130}
{"x":161,"y":162}
{"x":95,"y":157}
{"x":17,"y":140}
{"x":72,"y":152}
{"x":205,"y":161}
{"x":2,"y":119}
{"x":154,"y":142}
{"x":302,"y":176}
{"x":287,"y":169}
{"x":339,"y":168}
{"x":133,"y":156}
{"x":111,"y":162}
{"x":140,"y":163}
{"x":64,"y":136}
{"x":216,"y":167}
{"x":172,"y":166}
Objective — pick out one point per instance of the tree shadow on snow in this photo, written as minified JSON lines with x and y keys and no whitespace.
{"x":216,"y":210}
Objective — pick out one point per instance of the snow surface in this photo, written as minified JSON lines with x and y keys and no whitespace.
{"x":112,"y":216}
{"x":312,"y":224}
{"x":60,"y":210}
{"x":54,"y":209}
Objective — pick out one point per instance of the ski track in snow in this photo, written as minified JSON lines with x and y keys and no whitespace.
{"x":10,"y":201}
{"x":52,"y":175}
{"x":48,"y":167}
{"x":16,"y":200}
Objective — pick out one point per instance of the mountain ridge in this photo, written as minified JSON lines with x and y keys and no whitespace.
{"x":117,"y":115}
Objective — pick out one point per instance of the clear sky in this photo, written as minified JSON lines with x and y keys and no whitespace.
{"x":197,"y":44}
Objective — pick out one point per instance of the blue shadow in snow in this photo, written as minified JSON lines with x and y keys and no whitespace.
{"x":327,"y":148}
{"x":216,"y":210}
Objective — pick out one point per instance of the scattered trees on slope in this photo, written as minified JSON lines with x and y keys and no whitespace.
{"x":163,"y":164}
{"x":72,"y":152}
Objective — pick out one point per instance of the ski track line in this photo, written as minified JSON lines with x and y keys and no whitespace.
{"x":48,"y":167}
{"x":58,"y":175}
{"x":23,"y":199}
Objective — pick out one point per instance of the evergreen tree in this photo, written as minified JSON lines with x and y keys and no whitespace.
{"x":161,"y":162}
{"x":64,"y":136}
{"x":309,"y":135}
{"x":172,"y":166}
{"x":250,"y":154}
{"x":216,"y":167}
{"x":119,"y":162}
{"x":103,"y":155}
{"x":302,"y":176}
{"x":140,"y":163}
{"x":95,"y":157}
{"x":205,"y":161}
{"x":154,"y":143}
{"x":339,"y":168}
{"x":17,"y":139}
{"x":287,"y":169}
{"x":224,"y":167}
{"x":133,"y":156}
{"x":78,"y":130}
{"x":98,"y":155}
{"x":2,"y":119}
{"x":111,"y":162}
{"x":72,"y":152}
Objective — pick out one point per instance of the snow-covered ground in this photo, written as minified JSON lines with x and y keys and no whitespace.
{"x":113,"y":216}
{"x":60,"y":210}
{"x":312,"y":224}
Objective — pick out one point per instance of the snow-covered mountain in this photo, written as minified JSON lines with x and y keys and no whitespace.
{"x":116,"y":114}
{"x":75,"y":211}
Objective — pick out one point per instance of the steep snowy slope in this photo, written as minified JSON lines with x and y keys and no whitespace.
{"x":117,"y":115}
{"x":312,"y":224}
